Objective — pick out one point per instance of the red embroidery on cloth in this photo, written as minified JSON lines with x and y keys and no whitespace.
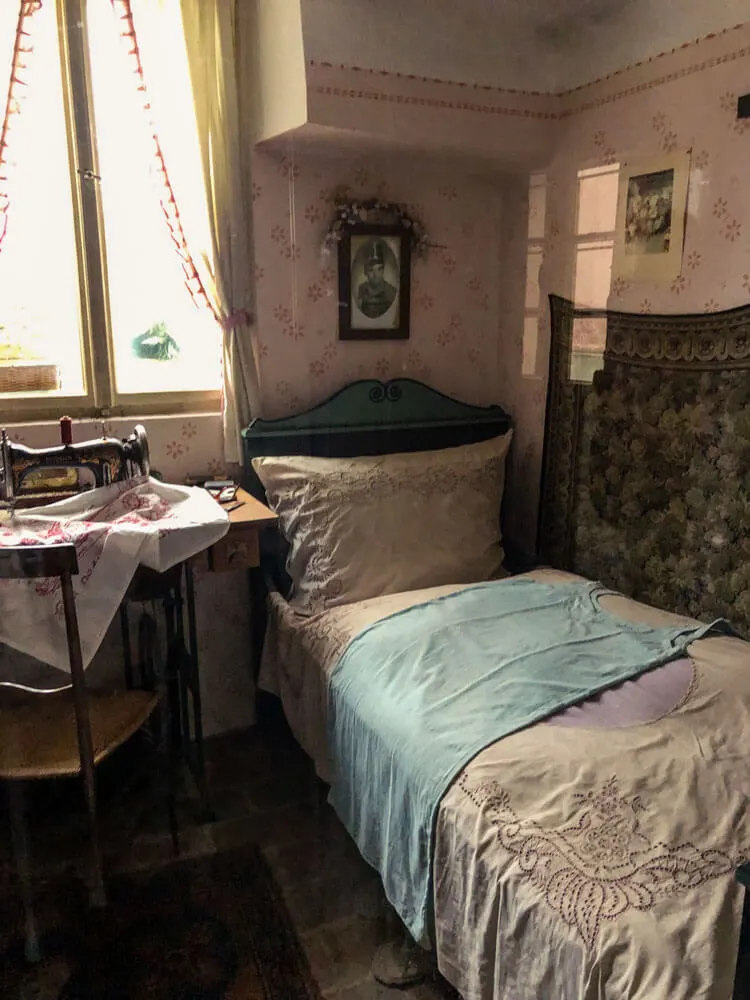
{"x":146,"y":507}
{"x":600,"y":864}
{"x":89,"y":536}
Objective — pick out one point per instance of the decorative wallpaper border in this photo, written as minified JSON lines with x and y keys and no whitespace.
{"x":659,"y":81}
{"x":648,"y":62}
{"x":349,"y":93}
{"x":578,"y":94}
{"x":393,"y":74}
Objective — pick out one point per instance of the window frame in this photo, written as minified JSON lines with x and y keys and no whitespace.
{"x":101,"y":398}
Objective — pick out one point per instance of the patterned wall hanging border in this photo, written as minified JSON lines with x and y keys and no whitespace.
{"x":699,"y":341}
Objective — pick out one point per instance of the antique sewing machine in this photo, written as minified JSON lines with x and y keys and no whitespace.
{"x":30,"y":477}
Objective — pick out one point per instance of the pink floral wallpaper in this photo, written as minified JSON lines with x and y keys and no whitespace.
{"x":477,"y":304}
{"x":453,"y":342}
{"x":462,"y":118}
{"x":683,"y":100}
{"x":479,"y":322}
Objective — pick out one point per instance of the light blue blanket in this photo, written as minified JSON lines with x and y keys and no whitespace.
{"x":415,"y":696}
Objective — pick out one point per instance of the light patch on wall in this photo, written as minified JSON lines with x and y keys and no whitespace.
{"x":534,"y":260}
{"x":592,"y":280}
{"x":589,"y":339}
{"x":597,"y":199}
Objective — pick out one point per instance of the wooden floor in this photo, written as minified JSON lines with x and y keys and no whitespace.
{"x":263,"y":790}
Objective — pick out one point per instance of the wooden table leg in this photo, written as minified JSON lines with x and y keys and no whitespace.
{"x":742,"y":971}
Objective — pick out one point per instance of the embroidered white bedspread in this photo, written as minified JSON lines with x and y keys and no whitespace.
{"x":583,"y":861}
{"x":114,"y":529}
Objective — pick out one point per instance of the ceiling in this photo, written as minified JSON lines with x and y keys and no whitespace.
{"x":549,"y":45}
{"x":545,"y":15}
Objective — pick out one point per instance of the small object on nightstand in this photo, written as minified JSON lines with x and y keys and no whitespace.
{"x":223,"y":490}
{"x":228,"y":508}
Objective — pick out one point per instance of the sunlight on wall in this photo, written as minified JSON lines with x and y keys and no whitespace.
{"x":534,"y":257}
{"x":592,"y":283}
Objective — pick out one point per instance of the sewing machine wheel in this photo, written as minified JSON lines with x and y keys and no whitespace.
{"x":140,"y":453}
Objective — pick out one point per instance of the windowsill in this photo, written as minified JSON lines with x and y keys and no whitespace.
{"x":128,"y":419}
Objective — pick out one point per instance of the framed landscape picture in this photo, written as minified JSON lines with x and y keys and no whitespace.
{"x":374,"y":264}
{"x":651,"y":209}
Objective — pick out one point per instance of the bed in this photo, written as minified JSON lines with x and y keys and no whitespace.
{"x":590,"y":854}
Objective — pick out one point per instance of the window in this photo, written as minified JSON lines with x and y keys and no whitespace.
{"x":595,"y":240}
{"x":95,"y":314}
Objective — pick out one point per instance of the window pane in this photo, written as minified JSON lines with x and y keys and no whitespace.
{"x":40,"y":328}
{"x":597,"y":199}
{"x":589,"y":341}
{"x":162,"y":341}
{"x":593,"y":277}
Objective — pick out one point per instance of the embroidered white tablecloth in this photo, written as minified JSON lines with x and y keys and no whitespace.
{"x":114,"y":529}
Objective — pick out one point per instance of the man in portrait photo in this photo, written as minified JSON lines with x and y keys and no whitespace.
{"x":375,"y":295}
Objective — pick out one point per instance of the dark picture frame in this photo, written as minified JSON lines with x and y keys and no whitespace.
{"x":374,"y":263}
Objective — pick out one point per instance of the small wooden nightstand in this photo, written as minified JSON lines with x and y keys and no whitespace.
{"x":239,"y":548}
{"x":175,"y":590}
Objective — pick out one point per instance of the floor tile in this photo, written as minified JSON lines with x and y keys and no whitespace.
{"x":323,"y":857}
{"x":263,"y":791}
{"x":324,"y":900}
{"x":340,"y":952}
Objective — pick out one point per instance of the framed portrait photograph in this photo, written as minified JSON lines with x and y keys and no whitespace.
{"x":651,"y":209}
{"x":374,"y":283}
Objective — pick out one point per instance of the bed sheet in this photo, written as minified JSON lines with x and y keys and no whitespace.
{"x":591,"y":855}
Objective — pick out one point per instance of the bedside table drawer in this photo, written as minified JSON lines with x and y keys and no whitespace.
{"x":237,"y":550}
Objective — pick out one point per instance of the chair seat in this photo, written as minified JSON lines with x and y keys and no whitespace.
{"x":38,"y":739}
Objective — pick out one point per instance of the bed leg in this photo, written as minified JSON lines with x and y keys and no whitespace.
{"x":400,"y":962}
{"x":318,"y":793}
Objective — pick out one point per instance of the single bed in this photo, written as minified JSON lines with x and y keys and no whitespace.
{"x":589,"y":855}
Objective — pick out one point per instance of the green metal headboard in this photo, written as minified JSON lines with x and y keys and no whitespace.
{"x":368,"y":417}
{"x":373,"y":418}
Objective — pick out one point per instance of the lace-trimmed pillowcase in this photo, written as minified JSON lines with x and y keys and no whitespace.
{"x":361,"y":527}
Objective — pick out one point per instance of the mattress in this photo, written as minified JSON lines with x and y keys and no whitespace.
{"x":590,"y":855}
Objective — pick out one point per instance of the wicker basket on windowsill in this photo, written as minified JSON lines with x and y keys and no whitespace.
{"x":28,"y":376}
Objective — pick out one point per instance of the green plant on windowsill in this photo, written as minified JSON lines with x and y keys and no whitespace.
{"x":156,"y":344}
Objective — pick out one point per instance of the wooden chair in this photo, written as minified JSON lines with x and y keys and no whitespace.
{"x":61,"y":732}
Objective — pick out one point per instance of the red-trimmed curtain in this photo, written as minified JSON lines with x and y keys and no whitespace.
{"x":20,"y":59}
{"x":204,"y":196}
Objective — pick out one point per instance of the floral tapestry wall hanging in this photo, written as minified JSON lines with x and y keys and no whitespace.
{"x":645,"y":484}
{"x":651,"y":209}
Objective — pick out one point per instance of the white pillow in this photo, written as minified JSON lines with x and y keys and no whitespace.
{"x":361,"y":527}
